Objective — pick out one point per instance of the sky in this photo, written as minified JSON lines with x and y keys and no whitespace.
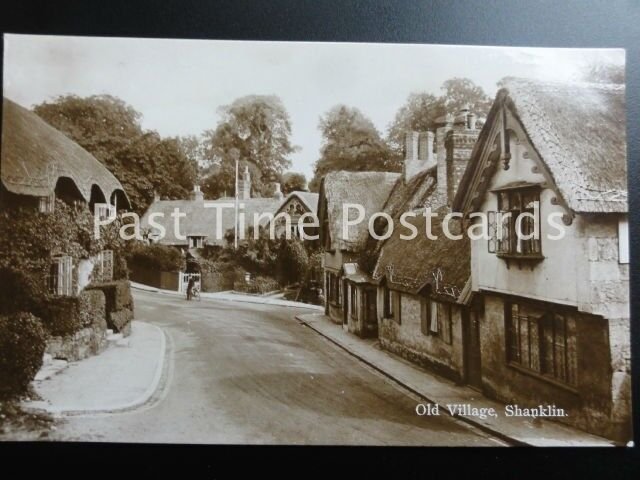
{"x":178,"y":85}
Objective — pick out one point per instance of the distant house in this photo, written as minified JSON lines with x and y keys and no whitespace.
{"x":296,"y":205}
{"x":554,"y":323}
{"x":342,"y":252}
{"x":207,"y":225}
{"x":40,"y":165}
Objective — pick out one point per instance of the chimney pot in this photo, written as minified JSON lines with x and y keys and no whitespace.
{"x":471,"y":121}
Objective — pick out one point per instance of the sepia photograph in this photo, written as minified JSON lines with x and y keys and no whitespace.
{"x":231,"y":242}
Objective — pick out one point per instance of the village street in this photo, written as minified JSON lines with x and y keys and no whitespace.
{"x":244,"y":373}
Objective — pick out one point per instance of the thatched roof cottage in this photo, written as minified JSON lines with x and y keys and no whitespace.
{"x":555,"y":321}
{"x":40,"y":163}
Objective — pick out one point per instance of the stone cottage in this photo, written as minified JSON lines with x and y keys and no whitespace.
{"x":421,"y":281}
{"x":553,"y":328}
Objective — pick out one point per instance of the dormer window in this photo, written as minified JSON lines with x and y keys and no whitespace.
{"x":515,"y":223}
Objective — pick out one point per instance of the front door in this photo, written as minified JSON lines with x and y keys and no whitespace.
{"x":371,"y":317}
{"x":472,"y":358}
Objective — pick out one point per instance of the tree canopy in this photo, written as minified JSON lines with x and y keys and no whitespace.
{"x":110,"y":129}
{"x":421,"y":110}
{"x":292,"y":182}
{"x":256,"y":129}
{"x":350,"y":141}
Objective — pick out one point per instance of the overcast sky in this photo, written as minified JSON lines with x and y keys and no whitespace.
{"x":178,"y":85}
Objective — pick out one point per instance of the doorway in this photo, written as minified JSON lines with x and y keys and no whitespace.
{"x":472,"y":352}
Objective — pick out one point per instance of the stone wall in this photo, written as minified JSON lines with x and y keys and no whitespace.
{"x":588,"y":403}
{"x":88,"y":340}
{"x":407,"y":340}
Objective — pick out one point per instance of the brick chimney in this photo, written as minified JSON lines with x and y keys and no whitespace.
{"x":418,"y":154}
{"x":454,"y":144}
{"x":197,"y":195}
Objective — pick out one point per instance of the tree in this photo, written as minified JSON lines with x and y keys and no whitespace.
{"x":293,"y":261}
{"x":259,"y":130}
{"x":193,"y":149}
{"x":419,"y":114}
{"x":292,"y":182}
{"x":422,"y":110}
{"x":461,"y":92}
{"x":110,"y":129}
{"x":350,"y":142}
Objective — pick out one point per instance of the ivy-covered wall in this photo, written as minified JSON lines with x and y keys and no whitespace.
{"x":28,"y":241}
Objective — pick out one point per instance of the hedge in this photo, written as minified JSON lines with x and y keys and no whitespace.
{"x":22,"y":345}
{"x":66,"y":315}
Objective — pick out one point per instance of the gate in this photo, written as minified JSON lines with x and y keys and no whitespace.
{"x":184,"y":281}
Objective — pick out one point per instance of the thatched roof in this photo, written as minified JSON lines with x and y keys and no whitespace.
{"x":369,"y":189}
{"x":411,"y":265}
{"x":201,"y":221}
{"x":579,"y":132}
{"x":35,"y":155}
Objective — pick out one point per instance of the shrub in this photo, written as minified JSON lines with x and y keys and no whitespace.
{"x":156,"y":257}
{"x":66,"y":315}
{"x":259,"y":285}
{"x":22,"y":345}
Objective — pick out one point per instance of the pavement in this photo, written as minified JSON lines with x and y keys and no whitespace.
{"x":440,"y":391}
{"x":243,"y":373}
{"x":123,"y":377}
{"x":232,"y":296}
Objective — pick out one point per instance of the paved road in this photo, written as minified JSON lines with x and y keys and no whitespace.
{"x":242,"y":373}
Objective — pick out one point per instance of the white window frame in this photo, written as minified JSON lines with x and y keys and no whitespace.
{"x":47,"y":203}
{"x":623,"y":240}
{"x":63,"y":283}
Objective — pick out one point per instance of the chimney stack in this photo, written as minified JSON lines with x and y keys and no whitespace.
{"x":418,"y":154}
{"x":245,"y":184}
{"x":197,"y":195}
{"x":454,"y":144}
{"x":471,"y":121}
{"x":277,"y":192}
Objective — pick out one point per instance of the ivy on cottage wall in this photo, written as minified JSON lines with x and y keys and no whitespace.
{"x":28,"y":241}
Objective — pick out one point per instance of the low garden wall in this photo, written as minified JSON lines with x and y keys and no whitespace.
{"x":154,"y":278}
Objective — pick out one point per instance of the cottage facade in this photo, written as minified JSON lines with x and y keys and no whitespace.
{"x":554,"y":323}
{"x":422,"y":315}
{"x":77,"y":292}
{"x":41,"y":165}
{"x":350,"y":298}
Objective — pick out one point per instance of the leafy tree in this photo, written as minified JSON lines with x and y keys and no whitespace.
{"x":193,"y":149}
{"x":293,"y":261}
{"x":350,"y":142}
{"x":460,"y":92}
{"x":292,"y":182}
{"x":258,"y":129}
{"x":419,"y":114}
{"x":422,"y":110}
{"x":110,"y":129}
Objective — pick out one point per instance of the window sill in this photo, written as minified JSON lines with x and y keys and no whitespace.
{"x":516,"y":256}
{"x":544,"y":378}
